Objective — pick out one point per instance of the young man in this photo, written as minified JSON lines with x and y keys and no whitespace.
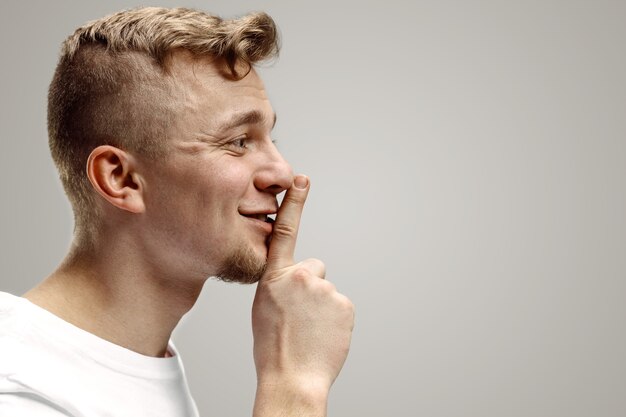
{"x":161,"y":131}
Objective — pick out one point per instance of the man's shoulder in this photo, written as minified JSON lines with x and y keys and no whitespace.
{"x":20,"y":346}
{"x":32,"y":348}
{"x":21,"y":357}
{"x":12,"y":314}
{"x":45,"y":361}
{"x":8,"y":303}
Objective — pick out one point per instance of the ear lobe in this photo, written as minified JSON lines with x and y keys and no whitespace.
{"x":112,"y":173}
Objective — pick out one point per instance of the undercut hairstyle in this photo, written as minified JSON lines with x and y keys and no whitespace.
{"x":112,"y":85}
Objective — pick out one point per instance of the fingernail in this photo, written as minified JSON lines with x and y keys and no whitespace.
{"x":301,"y":182}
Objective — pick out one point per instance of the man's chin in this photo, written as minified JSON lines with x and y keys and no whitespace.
{"x":244,"y":266}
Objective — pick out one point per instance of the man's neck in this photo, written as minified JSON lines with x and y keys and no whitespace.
{"x":117,"y":299}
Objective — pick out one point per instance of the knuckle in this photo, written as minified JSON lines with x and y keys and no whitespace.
{"x":301,"y":274}
{"x":284,"y":230}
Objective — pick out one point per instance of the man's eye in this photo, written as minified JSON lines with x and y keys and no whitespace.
{"x":238,"y":144}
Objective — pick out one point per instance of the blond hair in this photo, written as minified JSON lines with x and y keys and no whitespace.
{"x":111,"y":84}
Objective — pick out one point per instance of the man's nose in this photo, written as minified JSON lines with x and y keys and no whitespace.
{"x":276,"y":175}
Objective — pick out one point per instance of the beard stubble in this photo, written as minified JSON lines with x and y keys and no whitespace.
{"x":244,"y":266}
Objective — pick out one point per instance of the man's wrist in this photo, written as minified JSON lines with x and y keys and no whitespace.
{"x":290,"y":399}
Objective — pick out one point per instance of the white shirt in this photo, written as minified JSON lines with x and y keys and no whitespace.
{"x":49,"y":367}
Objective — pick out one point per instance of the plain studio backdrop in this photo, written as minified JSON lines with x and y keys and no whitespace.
{"x":468,"y":166}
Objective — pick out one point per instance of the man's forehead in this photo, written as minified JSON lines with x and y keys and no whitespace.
{"x":212,"y":103}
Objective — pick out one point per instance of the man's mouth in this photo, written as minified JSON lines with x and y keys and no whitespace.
{"x":267,"y":218}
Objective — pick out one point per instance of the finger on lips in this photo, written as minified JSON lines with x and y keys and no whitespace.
{"x":285,"y":228}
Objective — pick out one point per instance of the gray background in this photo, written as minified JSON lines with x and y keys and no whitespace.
{"x":468,"y":171}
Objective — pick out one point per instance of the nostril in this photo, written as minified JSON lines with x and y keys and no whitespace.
{"x":274,"y":178}
{"x":276,"y":189}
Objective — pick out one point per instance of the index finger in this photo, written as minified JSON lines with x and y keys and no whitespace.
{"x":285,"y":232}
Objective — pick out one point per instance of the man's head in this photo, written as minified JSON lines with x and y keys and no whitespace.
{"x":165,"y":105}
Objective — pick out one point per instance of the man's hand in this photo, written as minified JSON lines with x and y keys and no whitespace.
{"x":302,"y":326}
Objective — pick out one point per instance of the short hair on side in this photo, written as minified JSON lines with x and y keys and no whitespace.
{"x":111,"y":86}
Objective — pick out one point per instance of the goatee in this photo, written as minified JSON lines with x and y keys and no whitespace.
{"x":243,"y":267}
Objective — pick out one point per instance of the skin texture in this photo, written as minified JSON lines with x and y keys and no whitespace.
{"x":170,"y":224}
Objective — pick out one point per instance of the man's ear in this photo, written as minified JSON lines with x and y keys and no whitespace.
{"x":113,"y":174}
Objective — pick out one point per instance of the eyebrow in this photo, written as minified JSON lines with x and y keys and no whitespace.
{"x":246,"y":118}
